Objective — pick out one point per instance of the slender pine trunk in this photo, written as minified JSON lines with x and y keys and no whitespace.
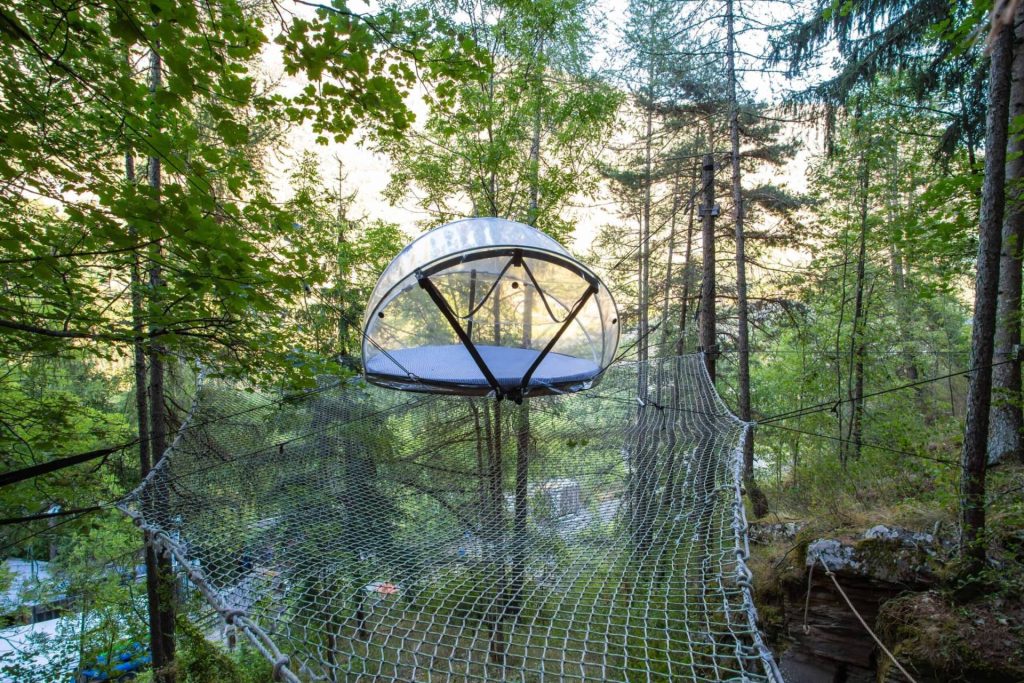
{"x":667,"y":292}
{"x":707,"y":321}
{"x":644,"y":254}
{"x":757,"y":497}
{"x":973,"y":459}
{"x":162,"y":641}
{"x":897,"y":268}
{"x":142,"y":415}
{"x":496,"y":521}
{"x":522,"y":482}
{"x":341,"y":266}
{"x":1004,"y":435}
{"x":856,"y":383}
{"x":684,"y":312}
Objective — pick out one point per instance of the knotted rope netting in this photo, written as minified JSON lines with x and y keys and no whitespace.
{"x":358,"y":533}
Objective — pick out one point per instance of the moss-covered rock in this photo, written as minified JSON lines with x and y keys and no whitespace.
{"x":883,"y":553}
{"x":982,"y":641}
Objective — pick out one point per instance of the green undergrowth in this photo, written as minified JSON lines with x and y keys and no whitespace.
{"x":199,"y":660}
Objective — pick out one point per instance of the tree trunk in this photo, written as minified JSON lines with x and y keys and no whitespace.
{"x":644,"y":256}
{"x":483,"y":495}
{"x":707,"y":321}
{"x":973,"y":458}
{"x":667,"y":293}
{"x":856,"y":383}
{"x":1004,"y":435}
{"x":535,"y":140}
{"x":138,"y":345}
{"x":757,"y":497}
{"x":492,"y":184}
{"x":687,"y":267}
{"x":899,"y":279}
{"x":522,"y":483}
{"x":142,"y":414}
{"x":496,"y":533}
{"x":342,"y":270}
{"x":161,"y":590}
{"x":519,"y":522}
{"x":898,"y":271}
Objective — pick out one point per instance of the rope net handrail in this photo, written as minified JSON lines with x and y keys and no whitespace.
{"x":361,"y":533}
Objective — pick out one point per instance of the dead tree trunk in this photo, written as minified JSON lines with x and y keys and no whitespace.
{"x":973,"y":459}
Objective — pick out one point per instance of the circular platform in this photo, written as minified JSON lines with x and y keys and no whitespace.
{"x":453,"y":366}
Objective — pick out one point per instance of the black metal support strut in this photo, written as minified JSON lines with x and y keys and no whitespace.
{"x":453,"y":320}
{"x":591,"y":290}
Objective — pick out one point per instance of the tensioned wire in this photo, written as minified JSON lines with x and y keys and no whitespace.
{"x":352,"y":534}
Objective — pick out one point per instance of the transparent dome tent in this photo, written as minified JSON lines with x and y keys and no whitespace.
{"x":487,"y":306}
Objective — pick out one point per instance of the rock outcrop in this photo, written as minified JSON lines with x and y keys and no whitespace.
{"x":893,"y":578}
{"x":872,"y":568}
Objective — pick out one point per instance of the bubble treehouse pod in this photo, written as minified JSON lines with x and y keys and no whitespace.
{"x":486,"y":306}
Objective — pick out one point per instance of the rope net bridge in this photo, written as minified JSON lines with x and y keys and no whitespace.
{"x":358,"y":533}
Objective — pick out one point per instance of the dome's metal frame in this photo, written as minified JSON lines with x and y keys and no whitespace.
{"x":515,"y":260}
{"x":517,"y":255}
